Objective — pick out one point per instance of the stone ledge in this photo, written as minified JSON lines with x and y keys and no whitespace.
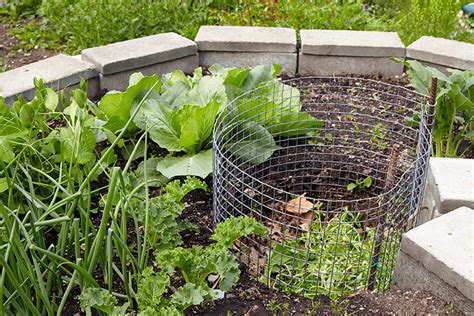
{"x":445,"y":247}
{"x":249,"y":59}
{"x":345,"y":65}
{"x":351,"y":43}
{"x":140,"y":52}
{"x":449,"y":185}
{"x":411,"y":275}
{"x":58,"y":72}
{"x":246,"y":39}
{"x":119,"y":81}
{"x":440,"y":51}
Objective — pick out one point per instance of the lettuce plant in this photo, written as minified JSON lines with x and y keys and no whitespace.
{"x":180,"y":112}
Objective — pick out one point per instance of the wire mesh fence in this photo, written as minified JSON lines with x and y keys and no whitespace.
{"x":335,"y":196}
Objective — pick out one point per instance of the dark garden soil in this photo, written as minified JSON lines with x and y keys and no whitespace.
{"x":251,"y":297}
{"x":11,"y":56}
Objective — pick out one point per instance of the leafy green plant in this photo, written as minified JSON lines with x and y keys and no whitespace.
{"x":333,"y":258}
{"x":208,"y":273}
{"x":339,"y":307}
{"x":454,"y":110}
{"x":379,"y":134}
{"x":180,"y":112}
{"x":360,"y":185}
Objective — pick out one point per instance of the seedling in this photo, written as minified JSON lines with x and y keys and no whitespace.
{"x":313,"y":310}
{"x":277,"y":308}
{"x":360,"y":185}
{"x":380,"y":133}
{"x":339,"y":307}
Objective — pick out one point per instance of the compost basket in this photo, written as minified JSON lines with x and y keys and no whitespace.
{"x":341,"y":181}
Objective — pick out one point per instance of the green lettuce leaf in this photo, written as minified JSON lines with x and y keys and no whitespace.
{"x":197,"y":124}
{"x":117,"y":105}
{"x":199,"y":165}
{"x":162,"y":122}
{"x":255,"y":144}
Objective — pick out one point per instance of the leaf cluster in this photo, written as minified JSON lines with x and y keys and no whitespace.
{"x":180,"y":111}
{"x":454,"y":109}
{"x":208,"y":273}
{"x":360,"y":184}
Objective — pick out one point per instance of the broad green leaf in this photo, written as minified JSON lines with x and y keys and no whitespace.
{"x":236,"y":77}
{"x":296,"y":124}
{"x":155,"y":179}
{"x":51,"y":100}
{"x":10,"y":131}
{"x":227,"y":268}
{"x":120,"y":103}
{"x":162,"y":123}
{"x":174,"y":96}
{"x":199,"y":165}
{"x":257,"y":75}
{"x":460,"y":101}
{"x":79,"y":97}
{"x":254,"y":144}
{"x":27,"y":115}
{"x":420,"y":76}
{"x":196,"y":127}
{"x":269,"y":103}
{"x":77,"y":148}
{"x":207,"y":89}
{"x":175,"y":76}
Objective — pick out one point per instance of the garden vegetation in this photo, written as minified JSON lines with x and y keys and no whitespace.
{"x":72,"y":25}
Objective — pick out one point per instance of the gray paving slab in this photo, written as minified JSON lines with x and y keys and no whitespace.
{"x":351,"y":43}
{"x":442,"y":51}
{"x":140,"y":52}
{"x":445,"y":247}
{"x":246,"y":39}
{"x":58,"y":72}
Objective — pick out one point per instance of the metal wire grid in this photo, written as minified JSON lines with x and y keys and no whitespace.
{"x":348,"y":241}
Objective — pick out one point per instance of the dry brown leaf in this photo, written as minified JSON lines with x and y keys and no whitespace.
{"x":306,"y":221}
{"x":299,"y":205}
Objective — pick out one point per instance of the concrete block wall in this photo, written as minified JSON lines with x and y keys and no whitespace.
{"x":329,"y":52}
{"x":156,"y":54}
{"x":442,"y":53}
{"x":240,"y":46}
{"x":438,"y":257}
{"x":449,"y":185}
{"x":319,"y":53}
{"x":58,"y":72}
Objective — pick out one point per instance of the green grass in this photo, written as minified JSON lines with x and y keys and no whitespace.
{"x":71,"y":26}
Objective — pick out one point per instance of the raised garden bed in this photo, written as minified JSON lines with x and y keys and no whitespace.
{"x":101,"y":216}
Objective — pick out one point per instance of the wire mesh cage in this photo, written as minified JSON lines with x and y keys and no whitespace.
{"x":342,"y":179}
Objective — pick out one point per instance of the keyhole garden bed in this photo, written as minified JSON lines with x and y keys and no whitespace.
{"x":107,"y":206}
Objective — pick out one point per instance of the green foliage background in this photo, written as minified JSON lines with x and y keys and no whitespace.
{"x":70,"y":26}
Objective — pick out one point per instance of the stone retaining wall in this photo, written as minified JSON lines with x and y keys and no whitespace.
{"x":319,"y":52}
